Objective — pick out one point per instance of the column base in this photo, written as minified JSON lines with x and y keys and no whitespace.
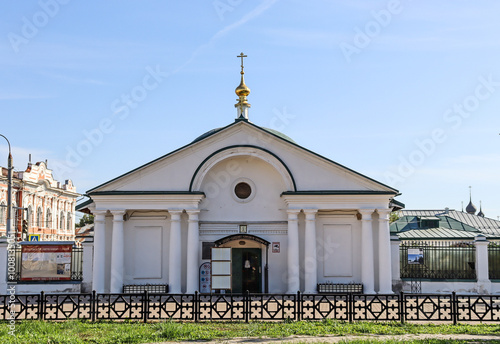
{"x":484,"y":287}
{"x":386,"y":292}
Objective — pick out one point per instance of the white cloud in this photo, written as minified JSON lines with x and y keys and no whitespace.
{"x":17,"y":96}
{"x":264,"y":6}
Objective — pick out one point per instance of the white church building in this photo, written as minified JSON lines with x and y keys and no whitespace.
{"x":292,"y":218}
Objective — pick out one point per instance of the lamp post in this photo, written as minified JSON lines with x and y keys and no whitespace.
{"x":9,"y":191}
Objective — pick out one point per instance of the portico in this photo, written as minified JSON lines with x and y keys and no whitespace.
{"x":109,"y":229}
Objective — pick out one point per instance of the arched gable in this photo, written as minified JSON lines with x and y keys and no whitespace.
{"x":242,"y":150}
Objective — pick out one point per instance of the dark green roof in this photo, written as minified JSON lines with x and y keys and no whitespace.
{"x":272,"y":131}
{"x":338,"y":192}
{"x":84,"y":204}
{"x":407,"y":223}
{"x":437,"y":234}
{"x":278,"y":133}
{"x":133,"y":192}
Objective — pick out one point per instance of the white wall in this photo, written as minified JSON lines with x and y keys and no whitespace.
{"x":146,"y":250}
{"x":339,"y":248}
{"x":221,"y":204}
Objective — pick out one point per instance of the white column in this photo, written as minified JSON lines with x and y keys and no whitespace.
{"x":384,"y":252}
{"x":482,"y":269}
{"x":293,"y":251}
{"x":395,"y":258}
{"x":311,"y":261}
{"x":193,"y":252}
{"x":117,"y":249}
{"x":175,"y":252}
{"x":99,"y":251}
{"x":87,"y":268}
{"x":367,"y":265}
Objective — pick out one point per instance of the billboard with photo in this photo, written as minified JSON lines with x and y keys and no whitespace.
{"x":415,"y":256}
{"x":46,"y":262}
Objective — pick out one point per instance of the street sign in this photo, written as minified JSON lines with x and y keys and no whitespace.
{"x":34,"y":237}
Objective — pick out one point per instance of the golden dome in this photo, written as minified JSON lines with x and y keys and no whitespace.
{"x":242,"y":89}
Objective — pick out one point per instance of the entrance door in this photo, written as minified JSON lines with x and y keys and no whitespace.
{"x":247,"y":270}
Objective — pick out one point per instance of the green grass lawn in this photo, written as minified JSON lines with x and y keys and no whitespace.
{"x":38,"y":332}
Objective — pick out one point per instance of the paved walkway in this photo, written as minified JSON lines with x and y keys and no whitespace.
{"x":343,"y":339}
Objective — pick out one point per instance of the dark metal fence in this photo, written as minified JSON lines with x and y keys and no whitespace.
{"x":451,"y":308}
{"x":494,"y":260}
{"x":437,"y":260}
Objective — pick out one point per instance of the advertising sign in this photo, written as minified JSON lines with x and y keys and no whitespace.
{"x":205,"y":278}
{"x":46,"y":262}
{"x":415,"y":256}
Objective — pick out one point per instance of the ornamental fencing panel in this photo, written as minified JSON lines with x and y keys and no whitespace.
{"x":438,"y":260}
{"x":451,"y":308}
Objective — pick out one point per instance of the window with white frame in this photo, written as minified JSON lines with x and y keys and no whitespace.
{"x":61,"y":219}
{"x":68,"y":225}
{"x":39,"y":217}
{"x":48,"y":218}
{"x":3,"y":209}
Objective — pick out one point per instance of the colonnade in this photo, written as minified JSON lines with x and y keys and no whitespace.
{"x":367,"y":251}
{"x":293,"y":256}
{"x":118,"y":244}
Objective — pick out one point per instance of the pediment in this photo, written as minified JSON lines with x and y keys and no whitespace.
{"x":178,"y":170}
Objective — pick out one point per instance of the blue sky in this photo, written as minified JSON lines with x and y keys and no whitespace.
{"x":406,"y":92}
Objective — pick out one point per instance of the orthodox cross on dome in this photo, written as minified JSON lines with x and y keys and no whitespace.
{"x":242,"y":91}
{"x":242,"y":56}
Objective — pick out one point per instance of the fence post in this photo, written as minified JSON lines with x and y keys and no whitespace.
{"x":402,"y":308}
{"x":145,"y":306}
{"x":196,"y":306}
{"x":482,"y":265}
{"x":246,"y":308}
{"x":298,"y":306}
{"x":210,"y":304}
{"x":41,"y":308}
{"x":350,"y":306}
{"x":93,"y":305}
{"x":454,"y":307}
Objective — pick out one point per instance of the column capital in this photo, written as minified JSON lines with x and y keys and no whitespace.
{"x":366,"y":214}
{"x":292,"y":213}
{"x":118,"y":214}
{"x":99,"y":215}
{"x":175,"y":214}
{"x":175,"y":211}
{"x":383,"y":214}
{"x":310,"y":214}
{"x":193,"y":214}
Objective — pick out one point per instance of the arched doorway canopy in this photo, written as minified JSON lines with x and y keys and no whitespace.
{"x":241,"y":236}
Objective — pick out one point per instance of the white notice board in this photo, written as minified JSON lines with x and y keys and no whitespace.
{"x":221,"y":268}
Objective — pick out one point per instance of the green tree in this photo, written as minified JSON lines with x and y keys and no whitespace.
{"x":394,"y":217}
{"x":85,"y":220}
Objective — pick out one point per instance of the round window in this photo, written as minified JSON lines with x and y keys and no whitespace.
{"x":242,"y":190}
